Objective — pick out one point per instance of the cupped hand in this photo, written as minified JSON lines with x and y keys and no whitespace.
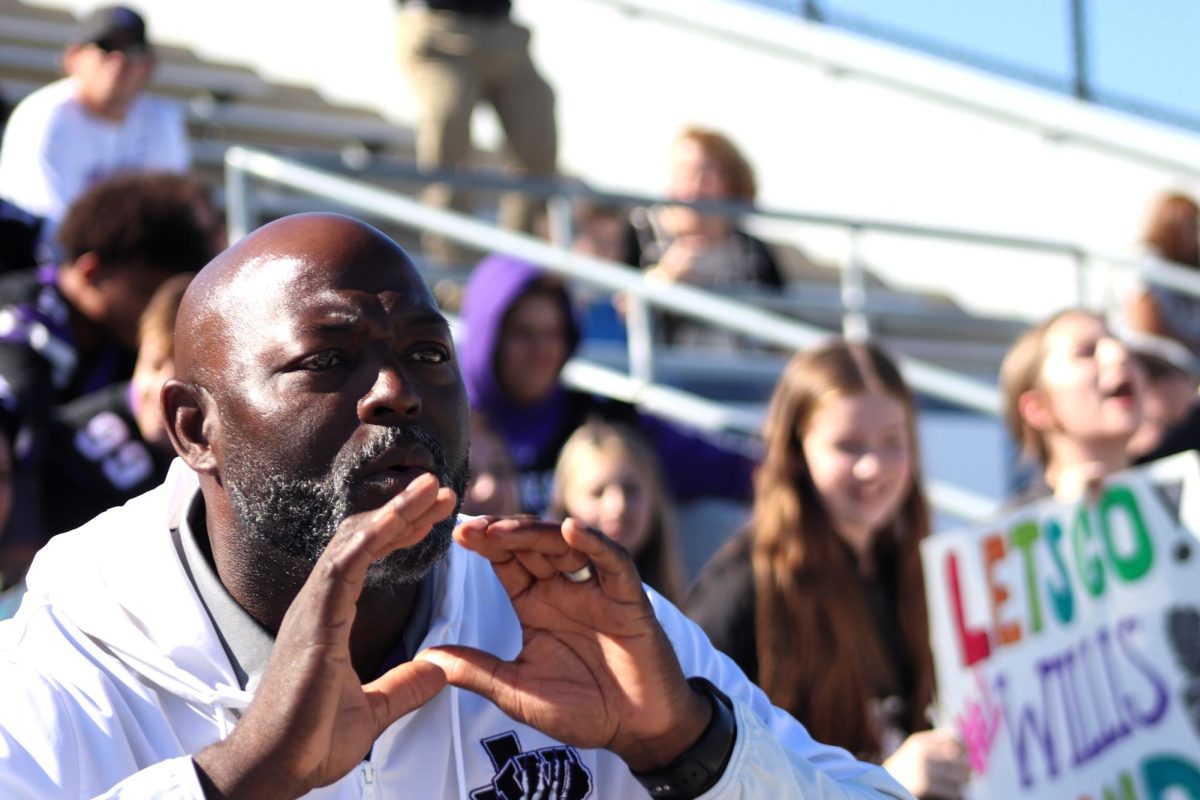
{"x":596,"y":670}
{"x":312,"y":720}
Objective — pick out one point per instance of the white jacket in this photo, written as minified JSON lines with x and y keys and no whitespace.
{"x":111,"y":675}
{"x":54,"y":148}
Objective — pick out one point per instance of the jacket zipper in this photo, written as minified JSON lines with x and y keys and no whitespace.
{"x":368,"y":773}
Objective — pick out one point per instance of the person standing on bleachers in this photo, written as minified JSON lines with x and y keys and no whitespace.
{"x":91,"y":124}
{"x":456,"y":54}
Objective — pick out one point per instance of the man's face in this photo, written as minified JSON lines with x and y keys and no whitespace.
{"x":341,"y":387}
{"x":109,"y":74}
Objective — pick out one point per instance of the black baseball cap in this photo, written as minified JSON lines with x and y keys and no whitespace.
{"x":112,"y":25}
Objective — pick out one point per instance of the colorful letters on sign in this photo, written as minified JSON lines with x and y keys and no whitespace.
{"x":1056,"y":638}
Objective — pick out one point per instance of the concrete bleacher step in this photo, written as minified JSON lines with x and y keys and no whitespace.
{"x":221,"y":100}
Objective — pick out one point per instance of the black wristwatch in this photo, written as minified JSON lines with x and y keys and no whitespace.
{"x":698,"y":768}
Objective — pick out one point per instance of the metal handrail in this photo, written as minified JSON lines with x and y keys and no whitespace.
{"x":686,"y":301}
{"x":1178,"y":277}
{"x":241,"y":163}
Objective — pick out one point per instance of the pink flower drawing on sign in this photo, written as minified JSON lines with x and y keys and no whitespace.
{"x":978,"y":724}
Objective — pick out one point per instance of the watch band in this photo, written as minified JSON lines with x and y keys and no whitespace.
{"x":697,"y":769}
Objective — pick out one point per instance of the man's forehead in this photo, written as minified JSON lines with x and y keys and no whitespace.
{"x":339,"y":302}
{"x":288,"y":278}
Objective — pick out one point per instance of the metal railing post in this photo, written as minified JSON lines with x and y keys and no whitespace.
{"x":639,"y":333}
{"x":855,"y":326}
{"x":238,"y":220}
{"x":1082,"y":279}
{"x":559,"y":220}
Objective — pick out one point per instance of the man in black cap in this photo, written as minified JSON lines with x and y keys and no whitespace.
{"x":93,"y":123}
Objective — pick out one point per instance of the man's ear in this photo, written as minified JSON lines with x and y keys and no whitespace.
{"x":1035,"y":410}
{"x":191,"y":419}
{"x":89,"y":268}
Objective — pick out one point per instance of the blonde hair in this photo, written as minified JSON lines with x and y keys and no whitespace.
{"x":660,"y":562}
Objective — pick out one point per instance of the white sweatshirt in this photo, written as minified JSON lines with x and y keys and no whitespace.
{"x":54,"y":148}
{"x":111,"y":675}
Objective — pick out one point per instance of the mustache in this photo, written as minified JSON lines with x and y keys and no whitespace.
{"x":380,"y":440}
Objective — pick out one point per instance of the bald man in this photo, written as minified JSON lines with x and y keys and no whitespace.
{"x":287,"y":610}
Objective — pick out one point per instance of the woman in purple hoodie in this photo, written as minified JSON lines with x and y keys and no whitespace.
{"x":520,"y":331}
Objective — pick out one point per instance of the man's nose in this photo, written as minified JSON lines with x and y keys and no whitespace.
{"x":392,"y":395}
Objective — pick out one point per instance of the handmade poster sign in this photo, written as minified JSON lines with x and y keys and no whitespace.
{"x":1067,"y":641}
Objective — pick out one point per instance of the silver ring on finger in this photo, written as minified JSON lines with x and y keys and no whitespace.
{"x":581,"y":575}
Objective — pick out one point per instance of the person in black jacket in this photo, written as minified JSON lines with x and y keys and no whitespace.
{"x":111,"y":445}
{"x":71,"y":328}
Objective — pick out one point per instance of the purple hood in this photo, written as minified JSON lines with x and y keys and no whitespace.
{"x":495,"y":286}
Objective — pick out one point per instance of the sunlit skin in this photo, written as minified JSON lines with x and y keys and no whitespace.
{"x":608,"y":490}
{"x":860,"y":458}
{"x":533,"y":348}
{"x":1087,"y":402}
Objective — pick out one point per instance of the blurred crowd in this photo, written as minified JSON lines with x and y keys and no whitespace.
{"x":818,"y":596}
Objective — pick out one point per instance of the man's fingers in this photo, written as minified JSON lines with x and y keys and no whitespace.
{"x":403,"y":689}
{"x":471,"y":669}
{"x":332,"y":588}
{"x":407,"y":517}
{"x":611,"y":563}
{"x":499,"y":540}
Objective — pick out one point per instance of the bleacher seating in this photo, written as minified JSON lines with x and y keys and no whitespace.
{"x":230,"y":104}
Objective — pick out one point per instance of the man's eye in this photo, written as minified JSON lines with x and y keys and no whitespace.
{"x":322,"y":361}
{"x":435,"y":354}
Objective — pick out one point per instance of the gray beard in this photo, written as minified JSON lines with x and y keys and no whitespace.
{"x":298,"y":516}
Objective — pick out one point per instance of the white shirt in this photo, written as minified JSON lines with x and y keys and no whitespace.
{"x":112,"y":675}
{"x":54,"y":148}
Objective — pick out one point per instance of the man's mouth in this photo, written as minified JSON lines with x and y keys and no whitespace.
{"x":394,"y":469}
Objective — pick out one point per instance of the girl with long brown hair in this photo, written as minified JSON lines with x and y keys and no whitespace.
{"x":822,"y":600}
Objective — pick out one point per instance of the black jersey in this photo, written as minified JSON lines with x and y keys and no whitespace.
{"x":96,"y":459}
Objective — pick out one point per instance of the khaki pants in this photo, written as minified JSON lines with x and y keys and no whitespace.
{"x":453,"y":62}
